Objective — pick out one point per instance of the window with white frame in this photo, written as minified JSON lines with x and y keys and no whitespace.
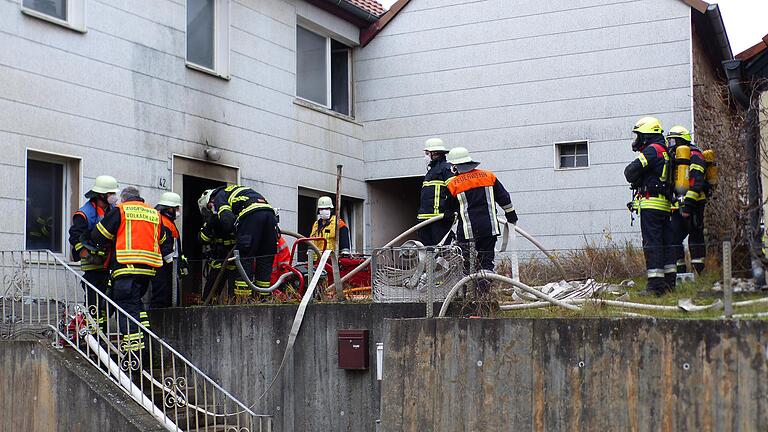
{"x":52,"y":189}
{"x":68,"y":13}
{"x":323,"y":71}
{"x":208,"y":36}
{"x":574,"y":154}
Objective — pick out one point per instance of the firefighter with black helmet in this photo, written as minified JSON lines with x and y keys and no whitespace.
{"x":691,"y":197}
{"x":434,"y":193}
{"x":649,"y":175}
{"x":246,"y":213}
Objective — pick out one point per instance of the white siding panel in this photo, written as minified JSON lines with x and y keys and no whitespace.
{"x":509,"y":80}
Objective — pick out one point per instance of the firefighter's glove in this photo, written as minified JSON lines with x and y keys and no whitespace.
{"x":512,"y":217}
{"x":183,"y":266}
{"x":686,"y":208}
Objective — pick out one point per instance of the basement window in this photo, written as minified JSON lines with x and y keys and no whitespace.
{"x":570,"y":155}
{"x":323,"y":71}
{"x":67,"y":13}
{"x":208,"y":36}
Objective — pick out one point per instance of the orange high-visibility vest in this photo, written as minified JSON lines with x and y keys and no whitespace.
{"x":138,"y":238}
{"x":168,"y":223}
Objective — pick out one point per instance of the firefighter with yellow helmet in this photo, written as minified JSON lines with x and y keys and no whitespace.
{"x":690,"y":191}
{"x":649,"y":176}
{"x":325,"y":227}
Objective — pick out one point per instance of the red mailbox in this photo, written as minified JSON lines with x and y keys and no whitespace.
{"x":353,"y":349}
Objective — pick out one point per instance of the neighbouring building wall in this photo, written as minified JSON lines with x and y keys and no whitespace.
{"x":119,"y":100}
{"x":508,"y":80}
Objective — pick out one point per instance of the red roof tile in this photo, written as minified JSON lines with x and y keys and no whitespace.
{"x":754,"y":50}
{"x":371,"y":6}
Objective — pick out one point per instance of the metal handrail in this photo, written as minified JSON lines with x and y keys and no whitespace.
{"x":75,"y":323}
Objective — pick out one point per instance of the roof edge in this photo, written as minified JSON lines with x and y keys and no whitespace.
{"x":367,"y":34}
{"x":754,"y":50}
{"x":699,"y":5}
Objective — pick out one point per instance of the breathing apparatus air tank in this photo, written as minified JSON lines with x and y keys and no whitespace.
{"x":711,"y":175}
{"x":682,"y":164}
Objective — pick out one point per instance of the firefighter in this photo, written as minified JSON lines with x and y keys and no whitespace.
{"x":282,"y":259}
{"x":649,"y":175}
{"x":216,"y":246}
{"x":169,"y":207}
{"x":474,"y":193}
{"x":688,"y":209}
{"x":246,"y":213}
{"x":134,"y":231}
{"x":434,"y":193}
{"x":325,"y":225}
{"x":93,"y":261}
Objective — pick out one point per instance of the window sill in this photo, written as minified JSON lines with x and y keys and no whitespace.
{"x":207,"y":71}
{"x":54,"y":20}
{"x":572,"y":169}
{"x":319,"y":108}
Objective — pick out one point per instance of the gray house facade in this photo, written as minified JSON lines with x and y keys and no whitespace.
{"x":275,"y":94}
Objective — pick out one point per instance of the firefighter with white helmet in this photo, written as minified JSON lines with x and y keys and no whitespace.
{"x":325,"y":226}
{"x":169,"y":207}
{"x":434,"y":193}
{"x":469,"y":191}
{"x":102,"y":198}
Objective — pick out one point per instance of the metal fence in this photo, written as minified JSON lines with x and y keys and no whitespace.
{"x":43,"y":296}
{"x":415,"y":273}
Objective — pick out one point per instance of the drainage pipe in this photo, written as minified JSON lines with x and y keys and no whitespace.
{"x":493,"y":276}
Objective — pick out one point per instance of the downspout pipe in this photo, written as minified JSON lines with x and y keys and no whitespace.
{"x":733,"y":73}
{"x":716,"y":19}
{"x":354,"y":10}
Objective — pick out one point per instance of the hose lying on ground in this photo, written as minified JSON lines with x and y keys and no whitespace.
{"x":622,"y":304}
{"x":493,"y":276}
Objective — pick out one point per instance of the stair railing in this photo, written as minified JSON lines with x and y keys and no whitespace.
{"x":42,"y":295}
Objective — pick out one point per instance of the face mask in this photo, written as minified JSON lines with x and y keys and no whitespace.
{"x":427,"y":159}
{"x":112,"y":199}
{"x":325,"y":214}
{"x":454,"y":170}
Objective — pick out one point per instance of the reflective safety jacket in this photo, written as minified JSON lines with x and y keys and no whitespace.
{"x":649,"y":174}
{"x":216,"y":244}
{"x":171,"y":248}
{"x":325,"y":228}
{"x":136,"y":232}
{"x":83,"y":222}
{"x":474,"y":195}
{"x":433,"y":190}
{"x":696,"y":174}
{"x":234,"y":201}
{"x":282,"y":259}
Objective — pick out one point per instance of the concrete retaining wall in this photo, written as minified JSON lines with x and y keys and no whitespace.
{"x":241,"y":349}
{"x":586,"y":374}
{"x":42,"y":389}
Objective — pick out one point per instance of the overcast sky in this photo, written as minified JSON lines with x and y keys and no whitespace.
{"x":746,"y":21}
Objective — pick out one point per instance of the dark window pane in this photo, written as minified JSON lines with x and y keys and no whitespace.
{"x":566,"y":161}
{"x":581,"y":149}
{"x":311,"y":75}
{"x":54,"y":8}
{"x":339,"y":77}
{"x":44,"y":205}
{"x":200,"y":38}
{"x":582,"y":161}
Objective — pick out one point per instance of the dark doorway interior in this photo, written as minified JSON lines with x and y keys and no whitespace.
{"x":192,"y":222}
{"x":394,"y":204}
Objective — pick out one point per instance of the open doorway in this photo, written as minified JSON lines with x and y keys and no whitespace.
{"x":190,"y":179}
{"x":394,"y":204}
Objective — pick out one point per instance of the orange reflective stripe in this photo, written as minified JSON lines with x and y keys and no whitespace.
{"x":471,"y":180}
